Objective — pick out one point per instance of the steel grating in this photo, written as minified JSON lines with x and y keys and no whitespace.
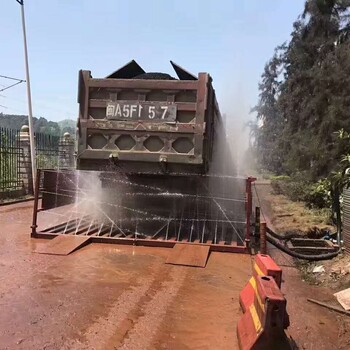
{"x":144,"y":210}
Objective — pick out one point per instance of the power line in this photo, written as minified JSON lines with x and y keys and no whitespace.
{"x":11,"y":78}
{"x":43,"y":105}
{"x":18,"y":81}
{"x":10,"y":86}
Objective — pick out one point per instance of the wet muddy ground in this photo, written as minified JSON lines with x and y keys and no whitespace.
{"x":112,"y":296}
{"x":123,"y":297}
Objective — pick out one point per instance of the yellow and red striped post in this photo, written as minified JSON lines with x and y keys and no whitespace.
{"x":265,"y":317}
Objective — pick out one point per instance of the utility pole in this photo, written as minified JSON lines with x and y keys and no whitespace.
{"x":29,"y":96}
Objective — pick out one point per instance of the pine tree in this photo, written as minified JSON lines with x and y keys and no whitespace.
{"x":300,"y":113}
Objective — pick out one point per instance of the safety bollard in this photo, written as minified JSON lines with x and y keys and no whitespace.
{"x":262,"y":325}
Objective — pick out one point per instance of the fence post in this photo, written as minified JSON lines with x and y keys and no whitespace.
{"x":66,"y":152}
{"x":249,"y":207}
{"x":25,"y":169}
{"x":257,"y":223}
{"x":263,"y":243}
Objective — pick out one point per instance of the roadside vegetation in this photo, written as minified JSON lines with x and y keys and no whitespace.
{"x":301,"y":133}
{"x":42,"y":125}
{"x":290,"y":216}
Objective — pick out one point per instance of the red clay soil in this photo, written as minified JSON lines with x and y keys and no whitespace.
{"x":123,"y":297}
{"x":112,"y":296}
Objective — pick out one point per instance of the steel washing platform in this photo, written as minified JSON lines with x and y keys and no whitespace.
{"x":224,"y":230}
{"x":107,"y":234}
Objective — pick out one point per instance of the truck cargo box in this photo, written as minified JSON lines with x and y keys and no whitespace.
{"x":147,"y":122}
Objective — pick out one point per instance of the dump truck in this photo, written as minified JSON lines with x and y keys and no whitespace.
{"x":157,"y":145}
{"x":148,"y":122}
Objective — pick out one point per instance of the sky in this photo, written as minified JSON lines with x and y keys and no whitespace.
{"x":230,"y":39}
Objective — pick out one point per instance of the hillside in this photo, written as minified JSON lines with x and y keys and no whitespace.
{"x":68,"y":125}
{"x":14,"y":121}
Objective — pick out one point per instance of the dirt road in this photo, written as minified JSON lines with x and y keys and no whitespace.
{"x":123,"y":297}
{"x":112,"y":297}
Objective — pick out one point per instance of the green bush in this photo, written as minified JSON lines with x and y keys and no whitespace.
{"x":319,"y":195}
{"x":297,"y":190}
{"x":315,"y":195}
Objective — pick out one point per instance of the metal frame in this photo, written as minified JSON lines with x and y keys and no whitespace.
{"x":151,"y":243}
{"x":249,"y":206}
{"x":166,"y":243}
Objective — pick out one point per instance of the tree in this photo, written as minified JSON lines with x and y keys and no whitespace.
{"x":301,"y":112}
{"x":268,"y":130}
{"x":42,"y":125}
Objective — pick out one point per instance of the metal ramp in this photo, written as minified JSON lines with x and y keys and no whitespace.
{"x":62,"y":245}
{"x":189,"y":255}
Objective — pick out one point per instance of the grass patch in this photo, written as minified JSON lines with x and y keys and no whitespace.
{"x":295,"y":216}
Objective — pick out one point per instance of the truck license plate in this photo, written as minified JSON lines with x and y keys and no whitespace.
{"x":151,"y":111}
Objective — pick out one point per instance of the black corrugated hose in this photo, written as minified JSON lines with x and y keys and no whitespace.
{"x":289,"y":236}
{"x":285,"y":249}
{"x":286,"y":237}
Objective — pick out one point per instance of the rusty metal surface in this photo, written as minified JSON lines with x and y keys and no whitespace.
{"x":189,"y":255}
{"x":130,"y":126}
{"x":197,"y":114}
{"x":62,"y":245}
{"x":222,"y":248}
{"x":136,"y":84}
{"x":346,"y":221}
